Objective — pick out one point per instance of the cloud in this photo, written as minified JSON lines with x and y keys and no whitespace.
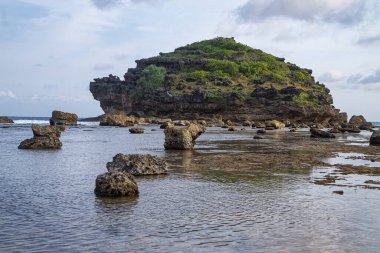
{"x":369,"y":40}
{"x":103,"y":66}
{"x":7,"y":93}
{"x":345,"y":12}
{"x":369,"y":79}
{"x":106,"y":4}
{"x":332,"y":76}
{"x":120,"y":57}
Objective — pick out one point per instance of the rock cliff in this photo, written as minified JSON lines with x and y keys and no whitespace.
{"x":218,"y":76}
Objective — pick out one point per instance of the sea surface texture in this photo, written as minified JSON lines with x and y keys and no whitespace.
{"x":47,"y":203}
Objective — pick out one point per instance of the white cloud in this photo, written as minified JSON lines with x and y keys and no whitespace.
{"x":7,"y":93}
{"x":332,"y":76}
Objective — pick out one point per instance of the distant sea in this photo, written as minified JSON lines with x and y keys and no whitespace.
{"x":43,"y":120}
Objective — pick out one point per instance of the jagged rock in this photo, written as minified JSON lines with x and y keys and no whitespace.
{"x":136,"y":130}
{"x":117,"y":120}
{"x":46,"y":137}
{"x":5,"y":120}
{"x":317,"y":133}
{"x":182,"y":138}
{"x":375,"y":138}
{"x":275,"y":123}
{"x":138,"y":165}
{"x":116,"y":184}
{"x":59,"y":118}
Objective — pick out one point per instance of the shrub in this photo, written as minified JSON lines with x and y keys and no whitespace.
{"x":228,"y":67}
{"x":152,"y":77}
{"x":199,"y":75}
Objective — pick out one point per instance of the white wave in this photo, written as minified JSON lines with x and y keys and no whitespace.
{"x":46,"y":122}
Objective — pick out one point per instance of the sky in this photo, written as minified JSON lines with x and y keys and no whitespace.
{"x":50,"y":50}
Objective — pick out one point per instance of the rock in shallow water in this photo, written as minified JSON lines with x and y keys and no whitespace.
{"x":136,"y":130}
{"x":317,"y":133}
{"x":117,"y":120}
{"x":182,"y":138}
{"x":59,"y":118}
{"x":46,"y":137}
{"x":116,"y":184}
{"x":5,"y":120}
{"x":375,"y":138}
{"x":138,"y":165}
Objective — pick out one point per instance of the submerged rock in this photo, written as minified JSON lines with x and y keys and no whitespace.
{"x":115,"y":184}
{"x":117,"y":120}
{"x":136,"y":130}
{"x":137,"y":165}
{"x":182,"y":138}
{"x":317,"y":133}
{"x":46,"y":137}
{"x":5,"y":120}
{"x":59,"y":118}
{"x":375,"y":138}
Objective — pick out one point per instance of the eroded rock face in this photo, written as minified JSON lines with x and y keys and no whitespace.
{"x":375,"y":138}
{"x":45,"y":137}
{"x":116,"y":184}
{"x":5,"y":120}
{"x":182,"y":138}
{"x":137,"y":165}
{"x":117,"y":120}
{"x":317,"y":133}
{"x":59,"y":118}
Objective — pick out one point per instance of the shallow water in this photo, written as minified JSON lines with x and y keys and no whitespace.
{"x":48,"y":205}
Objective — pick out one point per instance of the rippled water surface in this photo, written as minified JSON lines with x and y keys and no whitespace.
{"x":48,"y":205}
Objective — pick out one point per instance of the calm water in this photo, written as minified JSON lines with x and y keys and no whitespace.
{"x":48,"y":205}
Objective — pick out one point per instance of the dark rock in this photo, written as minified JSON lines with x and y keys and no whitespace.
{"x":116,"y":184}
{"x":340,"y":192}
{"x":293,"y":130}
{"x":136,"y":130}
{"x":5,"y":120}
{"x":375,"y":138}
{"x":231,"y":129}
{"x":317,"y":133}
{"x":138,"y":165}
{"x":261,"y":131}
{"x":349,"y":128}
{"x":257,"y":137}
{"x":59,"y":118}
{"x":166,"y":124}
{"x":270,"y":128}
{"x":182,"y":138}
{"x":334,"y":131}
{"x":357,"y":120}
{"x":46,"y":137}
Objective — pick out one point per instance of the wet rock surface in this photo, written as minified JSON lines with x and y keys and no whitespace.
{"x":138,"y":165}
{"x":116,"y":184}
{"x":375,"y":138}
{"x":317,"y":133}
{"x":182,"y":138}
{"x":136,"y":130}
{"x":5,"y":120}
{"x":45,"y":137}
{"x":59,"y":118}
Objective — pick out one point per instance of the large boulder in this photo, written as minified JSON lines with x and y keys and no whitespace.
{"x":5,"y":120}
{"x":117,"y":120}
{"x":317,"y":133}
{"x":59,"y":118}
{"x":138,"y":165}
{"x":375,"y":138}
{"x":116,"y":184}
{"x":360,"y":122}
{"x":45,"y":137}
{"x":275,"y":123}
{"x":182,"y":138}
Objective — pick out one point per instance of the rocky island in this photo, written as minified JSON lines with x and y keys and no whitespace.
{"x":218,"y":77}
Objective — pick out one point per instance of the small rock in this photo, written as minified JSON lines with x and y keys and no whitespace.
{"x":231,"y":129}
{"x":340,"y":192}
{"x":317,"y":133}
{"x":261,"y":131}
{"x":136,"y":130}
{"x":275,"y":124}
{"x":293,"y":130}
{"x":117,"y":120}
{"x":5,"y":120}
{"x":116,"y":184}
{"x":257,"y":137}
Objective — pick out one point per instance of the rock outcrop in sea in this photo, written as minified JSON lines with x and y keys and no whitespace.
{"x":318,"y":133}
{"x":138,"y":165}
{"x":182,"y":138}
{"x":59,"y":118}
{"x":116,"y":184}
{"x":375,"y":138}
{"x":117,"y":120}
{"x":44,"y":137}
{"x":218,"y":77}
{"x":4,"y":119}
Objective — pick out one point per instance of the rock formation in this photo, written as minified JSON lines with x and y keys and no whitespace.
{"x":375,"y":138}
{"x":276,"y":124}
{"x":117,"y":120}
{"x":317,"y":133}
{"x":137,"y":165}
{"x":218,"y":76}
{"x":116,"y":184}
{"x":136,"y":130}
{"x":5,"y":120}
{"x":45,"y":137}
{"x":358,"y":121}
{"x":182,"y":138}
{"x":59,"y":118}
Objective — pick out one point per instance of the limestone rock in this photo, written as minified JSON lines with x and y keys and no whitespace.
{"x":276,"y":124}
{"x":138,"y":165}
{"x":116,"y":184}
{"x":117,"y":120}
{"x":5,"y":120}
{"x":59,"y":118}
{"x":317,"y":133}
{"x":375,"y":138}
{"x":136,"y":130}
{"x":46,"y":137}
{"x":182,"y":138}
{"x":357,"y":120}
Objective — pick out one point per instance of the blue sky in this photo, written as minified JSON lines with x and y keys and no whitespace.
{"x":50,"y":50}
